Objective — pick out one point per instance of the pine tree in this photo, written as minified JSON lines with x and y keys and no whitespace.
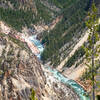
{"x":92,"y":47}
{"x":33,"y":96}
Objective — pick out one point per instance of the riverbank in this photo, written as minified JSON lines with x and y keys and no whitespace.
{"x":75,"y":73}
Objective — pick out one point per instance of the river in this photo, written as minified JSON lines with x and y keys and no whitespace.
{"x":77,"y":88}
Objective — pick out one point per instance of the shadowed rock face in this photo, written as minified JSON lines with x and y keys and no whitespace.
{"x":20,"y":71}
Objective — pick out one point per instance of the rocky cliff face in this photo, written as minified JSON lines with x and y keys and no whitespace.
{"x":20,"y":71}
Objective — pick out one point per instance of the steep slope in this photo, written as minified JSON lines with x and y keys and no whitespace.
{"x":20,"y":71}
{"x":66,"y":39}
{"x":61,"y":40}
{"x":22,"y":13}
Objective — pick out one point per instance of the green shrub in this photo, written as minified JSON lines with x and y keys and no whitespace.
{"x":33,"y":96}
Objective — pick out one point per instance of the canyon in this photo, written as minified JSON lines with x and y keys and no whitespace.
{"x":41,"y":49}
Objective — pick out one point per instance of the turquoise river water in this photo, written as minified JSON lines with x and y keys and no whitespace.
{"x":77,"y":88}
